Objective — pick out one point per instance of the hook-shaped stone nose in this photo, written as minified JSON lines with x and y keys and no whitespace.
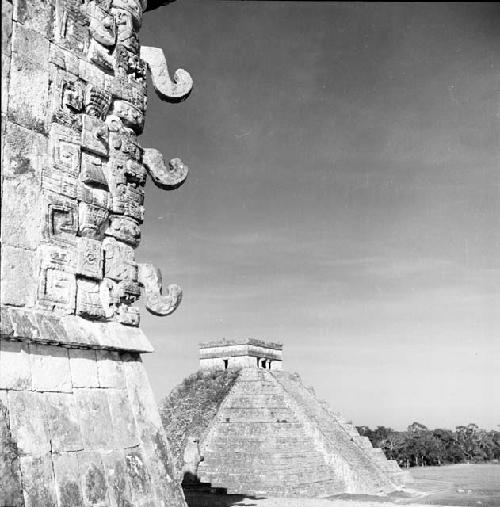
{"x":156,"y":302}
{"x":167,"y":177}
{"x":167,"y":89}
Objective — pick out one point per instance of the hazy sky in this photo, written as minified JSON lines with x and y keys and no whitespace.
{"x":343,"y":198}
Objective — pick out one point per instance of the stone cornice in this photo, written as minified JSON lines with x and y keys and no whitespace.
{"x":70,"y":331}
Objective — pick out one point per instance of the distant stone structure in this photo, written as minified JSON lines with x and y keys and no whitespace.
{"x":268,"y":434}
{"x":76,"y":410}
{"x":244,"y":353}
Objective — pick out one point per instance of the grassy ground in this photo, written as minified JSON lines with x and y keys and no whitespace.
{"x":454,"y":485}
{"x":463,"y":485}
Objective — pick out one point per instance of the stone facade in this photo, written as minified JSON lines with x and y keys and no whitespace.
{"x":74,"y":396}
{"x":243,"y":353}
{"x":270,"y":435}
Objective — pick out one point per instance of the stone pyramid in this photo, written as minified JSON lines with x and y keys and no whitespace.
{"x":262,"y":431}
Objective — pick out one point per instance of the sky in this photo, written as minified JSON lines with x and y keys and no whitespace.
{"x":343,"y":198}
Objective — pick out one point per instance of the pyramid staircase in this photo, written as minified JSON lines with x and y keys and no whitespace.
{"x":272,"y":436}
{"x":331,"y":425}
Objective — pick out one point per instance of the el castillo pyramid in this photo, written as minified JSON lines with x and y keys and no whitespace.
{"x":262,"y":432}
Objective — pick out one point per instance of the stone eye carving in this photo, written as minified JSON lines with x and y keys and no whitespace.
{"x":167,"y":89}
{"x":166,"y":177}
{"x":157,"y":303}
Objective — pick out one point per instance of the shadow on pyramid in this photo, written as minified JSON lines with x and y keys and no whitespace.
{"x":262,"y":432}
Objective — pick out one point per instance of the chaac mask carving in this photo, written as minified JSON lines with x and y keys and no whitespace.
{"x":93,"y":183}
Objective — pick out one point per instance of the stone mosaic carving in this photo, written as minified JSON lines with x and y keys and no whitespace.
{"x":81,"y":413}
{"x":93,"y":181}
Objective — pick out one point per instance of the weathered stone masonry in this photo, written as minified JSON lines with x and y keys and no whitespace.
{"x":75,"y":402}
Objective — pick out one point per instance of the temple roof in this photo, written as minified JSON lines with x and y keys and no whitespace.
{"x":224,"y":342}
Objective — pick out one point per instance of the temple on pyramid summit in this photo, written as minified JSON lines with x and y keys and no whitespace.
{"x":260,"y":431}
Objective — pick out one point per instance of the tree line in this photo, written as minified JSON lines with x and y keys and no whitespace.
{"x":420,"y":446}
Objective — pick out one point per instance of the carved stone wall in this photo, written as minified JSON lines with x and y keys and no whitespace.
{"x":73,"y":391}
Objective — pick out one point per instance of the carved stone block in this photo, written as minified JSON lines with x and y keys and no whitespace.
{"x":92,"y":220}
{"x":110,"y":297}
{"x":128,"y":200}
{"x":134,"y":8}
{"x":57,"y":285}
{"x":89,"y":258}
{"x":88,"y":300}
{"x":72,"y":96}
{"x":95,"y":135}
{"x":124,"y":19}
{"x":61,"y":217}
{"x":57,"y":290}
{"x":130,"y":115}
{"x":128,"y":315}
{"x":92,"y":74}
{"x":59,"y":256}
{"x":119,"y":261}
{"x":59,"y":182}
{"x":124,"y":229}
{"x":97,"y":102}
{"x":66,"y":97}
{"x":123,"y":146}
{"x":65,"y":149}
{"x":71,"y":26}
{"x":102,"y":25}
{"x":92,"y":171}
{"x":100,"y":56}
{"x":95,"y":196}
{"x":125,"y":84}
{"x":135,"y":172}
{"x":129,"y":291}
{"x":138,"y":67}
{"x":121,"y":55}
